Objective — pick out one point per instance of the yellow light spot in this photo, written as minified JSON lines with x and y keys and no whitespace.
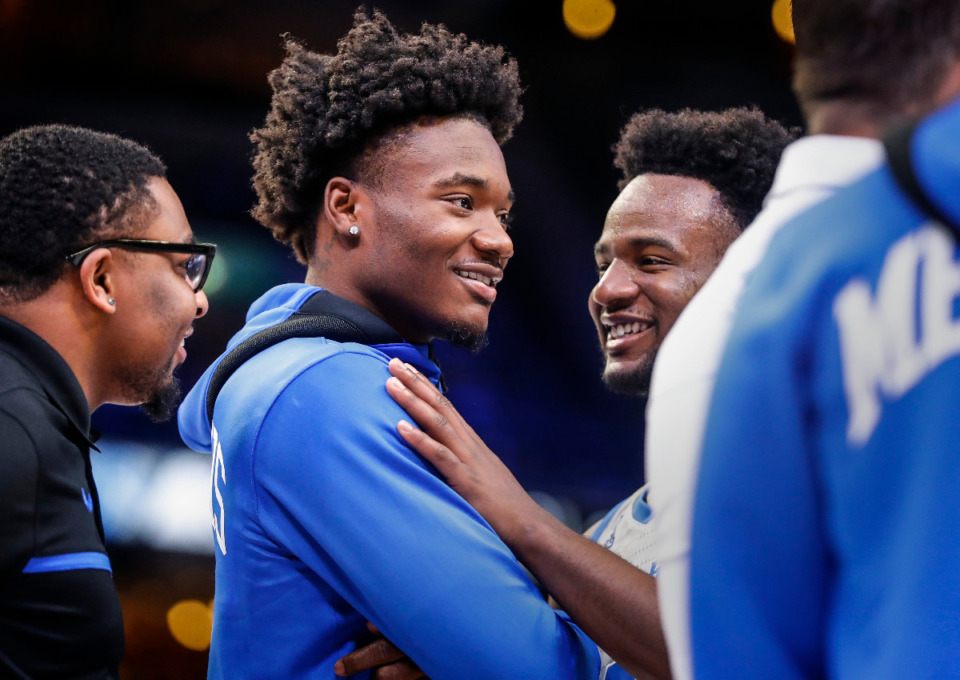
{"x":191,"y":622}
{"x":588,"y":18}
{"x":782,"y":14}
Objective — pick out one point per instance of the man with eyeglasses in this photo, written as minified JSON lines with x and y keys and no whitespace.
{"x":100,"y":282}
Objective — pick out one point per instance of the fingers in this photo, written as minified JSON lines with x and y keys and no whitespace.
{"x":432,"y":421}
{"x":378,"y":653}
{"x":422,"y":412}
{"x":401,"y":670}
{"x":439,"y":455}
{"x":414,"y":381}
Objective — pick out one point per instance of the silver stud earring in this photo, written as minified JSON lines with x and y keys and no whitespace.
{"x":354,"y":230}
{"x":111,"y":301}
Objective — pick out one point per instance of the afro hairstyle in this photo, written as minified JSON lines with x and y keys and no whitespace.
{"x":328,"y":109}
{"x":61,"y":188}
{"x":736,"y":151}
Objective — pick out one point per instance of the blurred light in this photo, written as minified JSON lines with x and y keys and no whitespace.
{"x":782,"y":14}
{"x":155,"y":496}
{"x":9,"y":10}
{"x":563,"y":509}
{"x":588,"y":18}
{"x":219,"y":273}
{"x":191,"y":622}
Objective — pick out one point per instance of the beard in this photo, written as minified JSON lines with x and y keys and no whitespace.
{"x":162,"y":405}
{"x":157,"y":391}
{"x":464,"y":337}
{"x":633,"y":383}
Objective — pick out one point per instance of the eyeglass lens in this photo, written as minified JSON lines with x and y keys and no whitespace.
{"x":195,"y":268}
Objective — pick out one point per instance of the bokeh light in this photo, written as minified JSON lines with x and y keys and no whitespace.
{"x":588,"y":19}
{"x":782,"y":13}
{"x":190,"y":623}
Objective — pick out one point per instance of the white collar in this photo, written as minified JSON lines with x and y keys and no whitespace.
{"x":828,"y":161}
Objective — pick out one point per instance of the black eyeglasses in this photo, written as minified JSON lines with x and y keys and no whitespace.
{"x":196,"y":268}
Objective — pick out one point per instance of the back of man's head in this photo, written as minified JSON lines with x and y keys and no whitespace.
{"x":888,"y":58}
{"x":63,"y":187}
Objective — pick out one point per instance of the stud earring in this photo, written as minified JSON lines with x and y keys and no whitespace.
{"x":111,"y":301}
{"x":354,"y":230}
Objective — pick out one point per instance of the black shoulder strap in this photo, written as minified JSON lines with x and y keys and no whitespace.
{"x":897,"y":143}
{"x":323,"y":315}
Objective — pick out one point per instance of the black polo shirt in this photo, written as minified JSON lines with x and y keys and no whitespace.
{"x":59,"y":611}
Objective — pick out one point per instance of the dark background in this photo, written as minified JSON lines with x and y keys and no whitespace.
{"x":188,"y":79}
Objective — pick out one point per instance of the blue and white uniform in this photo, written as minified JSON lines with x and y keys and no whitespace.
{"x":826,"y":525}
{"x":324,"y":519}
{"x":627,"y":531}
{"x":811,"y":170}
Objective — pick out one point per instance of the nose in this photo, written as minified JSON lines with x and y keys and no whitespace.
{"x":616,"y":288}
{"x":203,"y":305}
{"x":493,"y":238}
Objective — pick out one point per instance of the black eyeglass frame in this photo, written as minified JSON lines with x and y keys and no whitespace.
{"x":208,"y":250}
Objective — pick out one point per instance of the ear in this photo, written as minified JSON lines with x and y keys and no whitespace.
{"x":344,"y":205}
{"x":97,"y":279}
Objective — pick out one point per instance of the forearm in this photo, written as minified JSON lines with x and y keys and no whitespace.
{"x":613,"y":602}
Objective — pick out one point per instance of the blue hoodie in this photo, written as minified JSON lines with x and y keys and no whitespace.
{"x":826,"y":530}
{"x":324,"y":519}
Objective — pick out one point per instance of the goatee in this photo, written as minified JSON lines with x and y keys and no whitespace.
{"x":162,"y":405}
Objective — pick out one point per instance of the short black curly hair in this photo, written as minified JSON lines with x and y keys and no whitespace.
{"x":61,"y":188}
{"x":736,"y":151}
{"x":328,"y":109}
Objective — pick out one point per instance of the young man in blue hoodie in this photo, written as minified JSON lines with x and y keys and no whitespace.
{"x":381,"y":167}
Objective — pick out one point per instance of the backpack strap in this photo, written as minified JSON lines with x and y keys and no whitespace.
{"x":897,"y":144}
{"x":322,"y":315}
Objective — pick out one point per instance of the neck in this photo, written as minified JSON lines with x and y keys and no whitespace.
{"x":854,"y":118}
{"x":54,"y":317}
{"x":844,"y":119}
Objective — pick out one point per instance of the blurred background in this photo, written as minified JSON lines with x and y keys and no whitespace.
{"x":188,"y":79}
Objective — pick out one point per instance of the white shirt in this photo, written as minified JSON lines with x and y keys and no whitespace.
{"x":811,"y":170}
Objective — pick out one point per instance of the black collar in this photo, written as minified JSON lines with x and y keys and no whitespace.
{"x":371,"y":327}
{"x":51,"y":372}
{"x":375,"y":330}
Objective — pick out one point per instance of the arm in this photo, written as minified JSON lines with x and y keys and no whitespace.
{"x":381,"y":656}
{"x":19,"y":472}
{"x":613,"y":601}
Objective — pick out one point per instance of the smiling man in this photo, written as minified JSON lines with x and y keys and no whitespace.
{"x":692,"y":181}
{"x":663,"y":237}
{"x":381,"y":167}
{"x":99,"y":287}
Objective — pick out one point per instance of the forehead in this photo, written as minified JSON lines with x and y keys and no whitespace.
{"x":435,"y":149}
{"x":681,"y":211}
{"x":168,"y":222}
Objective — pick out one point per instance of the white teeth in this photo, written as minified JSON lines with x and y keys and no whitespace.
{"x":621,"y":330}
{"x":478,"y":277}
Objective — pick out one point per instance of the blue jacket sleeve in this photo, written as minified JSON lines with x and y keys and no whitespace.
{"x":757,"y":568}
{"x":338,"y":486}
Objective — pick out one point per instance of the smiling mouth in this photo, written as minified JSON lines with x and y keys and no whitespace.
{"x":486,"y":280}
{"x":623,"y":330}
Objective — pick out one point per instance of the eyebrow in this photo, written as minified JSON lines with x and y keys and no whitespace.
{"x":638,"y":243}
{"x":459,"y":179}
